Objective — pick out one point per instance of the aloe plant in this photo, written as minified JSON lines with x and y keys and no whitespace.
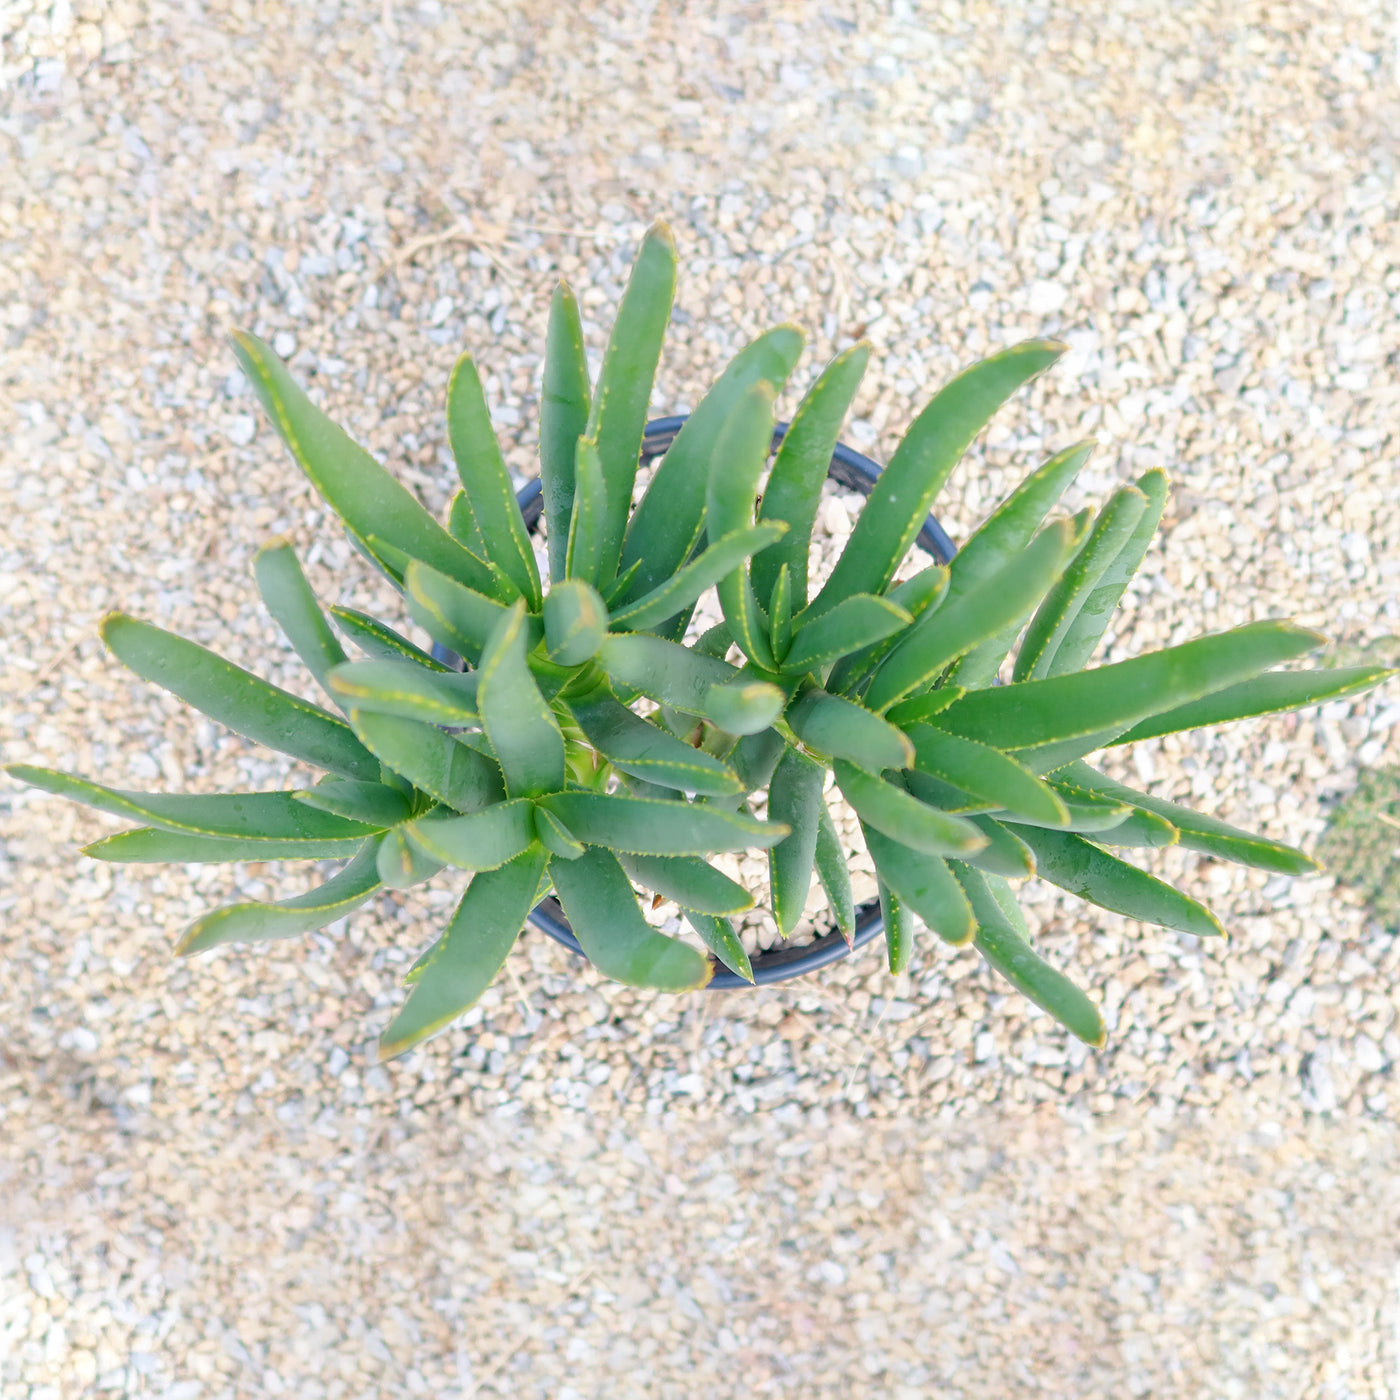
{"x":536,"y":769}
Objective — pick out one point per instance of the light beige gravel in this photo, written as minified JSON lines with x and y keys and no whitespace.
{"x":849,"y":1187}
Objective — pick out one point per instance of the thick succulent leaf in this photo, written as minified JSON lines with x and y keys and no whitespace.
{"x":250,"y":816}
{"x":452,"y":614}
{"x":635,"y":746}
{"x":583,"y":555}
{"x":555,"y":837}
{"x":1055,"y":616}
{"x":479,"y":840}
{"x":740,"y":452}
{"x":1004,"y":854}
{"x":238,"y":699}
{"x":603,"y":913}
{"x":955,"y":627}
{"x":619,"y":586}
{"x":575,"y":622}
{"x":1092,"y":620}
{"x":255,"y":922}
{"x":564,"y":404}
{"x":1199,"y":833}
{"x":146,"y":845}
{"x":643,"y":826}
{"x":462,"y":525}
{"x":462,"y":963}
{"x":899,"y":815}
{"x":794,"y":797}
{"x":1140,"y":829}
{"x":852,"y":625}
{"x":528,"y":743}
{"x":718,"y":935}
{"x":919,"y":709}
{"x":355,"y":486}
{"x":938,"y":437}
{"x":406,"y":689}
{"x":942,"y":795}
{"x":1004,"y":945}
{"x":899,"y":928}
{"x":744,"y":705}
{"x":1262,"y":695}
{"x":755,"y":757}
{"x":985,"y":773}
{"x":437,"y":763}
{"x":923,"y":883}
{"x":1086,"y":813}
{"x":693,"y":883}
{"x":780,"y":615}
{"x":1030,"y":715}
{"x":835,"y":874}
{"x":708,"y":567}
{"x":373,"y":803}
{"x":667,"y":524}
{"x":917,"y":596}
{"x":1083,"y":869}
{"x":487,"y":482}
{"x":381,"y":642}
{"x":663,"y":671}
{"x":833,"y":725}
{"x":291,"y":602}
{"x":401,"y":864}
{"x":794,"y":486}
{"x":618,"y":414}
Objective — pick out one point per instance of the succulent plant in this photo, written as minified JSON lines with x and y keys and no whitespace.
{"x":588,"y":749}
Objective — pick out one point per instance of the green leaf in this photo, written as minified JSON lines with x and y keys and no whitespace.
{"x":372,"y":803}
{"x":291,"y":602}
{"x":834,"y":874}
{"x":663,"y":671}
{"x":146,"y":845}
{"x":1197,"y":832}
{"x":852,"y":625}
{"x":479,"y":840}
{"x":938,"y":437}
{"x":795,"y":798}
{"x":893,"y":811}
{"x":1030,"y":715}
{"x":603,"y":913}
{"x":1083,"y":869}
{"x":406,"y":689}
{"x":1262,"y":695}
{"x":919,"y":709}
{"x":833,"y":725}
{"x":794,"y":486}
{"x":381,"y":642}
{"x":1093,"y":617}
{"x":719,"y":937}
{"x":780,"y":615}
{"x":693,"y":883}
{"x":740,"y":452}
{"x":643,"y":826}
{"x":555,"y":837}
{"x":744,"y":706}
{"x":1003,"y":854}
{"x":1056,"y":615}
{"x":236,"y":698}
{"x":925,"y":884}
{"x":431,"y":760}
{"x":575,"y":622}
{"x":755,"y":757}
{"x":487,"y":483}
{"x":899,"y":930}
{"x":630,"y":743}
{"x":954,"y":628}
{"x":688,"y":583}
{"x":618,"y":414}
{"x":462,"y":526}
{"x":564,"y":404}
{"x":986,"y":773}
{"x":465,"y":960}
{"x":250,"y":816}
{"x":255,"y":922}
{"x":1086,"y":814}
{"x":401,"y":864}
{"x":1144,"y":830}
{"x":1005,"y":947}
{"x":455,"y":616}
{"x":668,"y":522}
{"x":583,"y":556}
{"x":354,"y":485}
{"x":522,"y":730}
{"x":619,"y":586}
{"x":917,"y":596}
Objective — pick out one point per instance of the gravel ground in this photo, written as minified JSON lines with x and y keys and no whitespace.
{"x":854,"y":1186}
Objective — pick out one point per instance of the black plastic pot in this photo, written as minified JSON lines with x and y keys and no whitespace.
{"x":852,"y":469}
